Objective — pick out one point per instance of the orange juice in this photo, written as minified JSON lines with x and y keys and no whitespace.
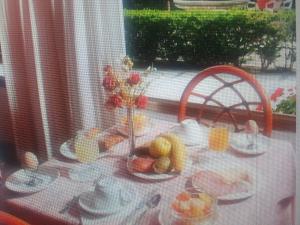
{"x":139,"y":122}
{"x":218,"y":139}
{"x":86,"y":149}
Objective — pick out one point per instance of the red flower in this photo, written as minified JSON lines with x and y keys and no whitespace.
{"x":141,"y":101}
{"x":107,"y":69}
{"x":277,"y":93}
{"x":134,"y":78}
{"x":115,"y":101}
{"x":109,"y":83}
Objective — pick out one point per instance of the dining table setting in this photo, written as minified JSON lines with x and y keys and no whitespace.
{"x":178,"y":174}
{"x":147,"y":171}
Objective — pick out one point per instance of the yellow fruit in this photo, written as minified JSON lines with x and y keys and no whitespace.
{"x":197,"y":207}
{"x":162,"y":165}
{"x":30,"y":161}
{"x":178,"y":152}
{"x":160,"y":147}
{"x":206,"y":198}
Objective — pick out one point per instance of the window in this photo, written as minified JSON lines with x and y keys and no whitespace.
{"x":180,"y":46}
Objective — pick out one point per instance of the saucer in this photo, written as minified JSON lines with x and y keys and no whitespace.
{"x":18,"y":181}
{"x":87,"y":205}
{"x":238,"y":142}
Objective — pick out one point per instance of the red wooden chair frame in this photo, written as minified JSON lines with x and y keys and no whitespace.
{"x":9,"y":219}
{"x":244,"y":77}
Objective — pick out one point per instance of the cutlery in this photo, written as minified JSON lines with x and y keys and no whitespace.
{"x":135,"y":216}
{"x":69,"y":204}
{"x":32,"y":175}
{"x":152,"y":203}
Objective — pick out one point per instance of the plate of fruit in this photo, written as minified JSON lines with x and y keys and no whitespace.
{"x":162,"y":158}
{"x":189,"y":207}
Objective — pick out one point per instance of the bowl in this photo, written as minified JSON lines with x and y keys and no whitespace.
{"x":187,"y":208}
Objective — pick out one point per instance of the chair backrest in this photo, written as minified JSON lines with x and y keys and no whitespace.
{"x":9,"y":219}
{"x":240,"y":84}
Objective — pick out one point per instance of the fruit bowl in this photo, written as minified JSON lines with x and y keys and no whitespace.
{"x":189,"y":207}
{"x":162,"y":158}
{"x":151,"y":175}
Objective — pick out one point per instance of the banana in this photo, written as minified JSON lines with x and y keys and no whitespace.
{"x":178,"y":151}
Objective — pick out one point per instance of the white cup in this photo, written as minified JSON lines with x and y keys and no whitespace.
{"x":109,"y":193}
{"x":191,"y":132}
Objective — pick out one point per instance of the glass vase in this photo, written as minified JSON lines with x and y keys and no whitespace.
{"x":131,"y":135}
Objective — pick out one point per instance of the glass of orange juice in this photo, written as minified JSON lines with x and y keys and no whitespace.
{"x":218,"y":139}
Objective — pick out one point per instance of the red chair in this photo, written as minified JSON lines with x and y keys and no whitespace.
{"x":238,"y":76}
{"x":9,"y":219}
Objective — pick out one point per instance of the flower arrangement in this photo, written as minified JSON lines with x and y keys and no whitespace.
{"x":126,"y":87}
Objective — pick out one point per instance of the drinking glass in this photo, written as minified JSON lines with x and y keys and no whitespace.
{"x":87,"y":152}
{"x":218,"y":139}
{"x":183,"y":215}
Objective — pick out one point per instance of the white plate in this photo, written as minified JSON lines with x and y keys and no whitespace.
{"x":241,"y":195}
{"x":122,"y":129}
{"x":218,"y":166}
{"x":86,"y":205}
{"x":151,"y":176}
{"x":17,"y":182}
{"x":67,"y":151}
{"x":238,"y":142}
{"x":155,"y":176}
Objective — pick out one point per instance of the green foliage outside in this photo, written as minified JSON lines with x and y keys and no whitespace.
{"x":208,"y":37}
{"x":287,"y":106}
{"x":155,"y":4}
